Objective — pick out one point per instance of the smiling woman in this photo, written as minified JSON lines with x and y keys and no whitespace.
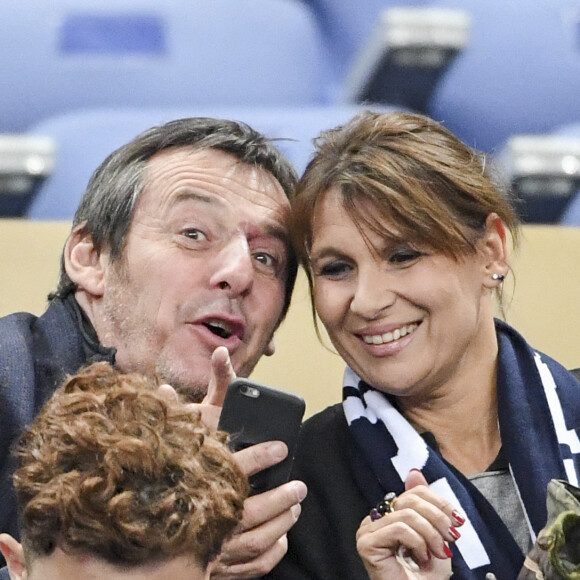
{"x":446,"y":409}
{"x":367,"y":287}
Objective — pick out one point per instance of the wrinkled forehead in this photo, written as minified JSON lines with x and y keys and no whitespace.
{"x":214,"y":173}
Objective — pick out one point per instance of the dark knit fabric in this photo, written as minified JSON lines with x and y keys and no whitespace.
{"x":36,"y":353}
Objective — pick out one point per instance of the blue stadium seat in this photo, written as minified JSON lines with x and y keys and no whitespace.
{"x":347,"y":26}
{"x":571,"y":214}
{"x":25,"y":162}
{"x":520,"y":72}
{"x":389,"y":51}
{"x":409,"y":50}
{"x":543,"y":171}
{"x":64,"y":54}
{"x":85,"y":138}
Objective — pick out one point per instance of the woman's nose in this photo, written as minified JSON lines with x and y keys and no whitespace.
{"x":373,"y":294}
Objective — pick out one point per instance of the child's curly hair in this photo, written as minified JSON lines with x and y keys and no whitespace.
{"x":111,"y":468}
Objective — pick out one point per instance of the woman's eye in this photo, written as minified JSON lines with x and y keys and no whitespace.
{"x":403,"y":255}
{"x":333,"y":269}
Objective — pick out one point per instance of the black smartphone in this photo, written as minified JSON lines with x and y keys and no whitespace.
{"x":253,"y":413}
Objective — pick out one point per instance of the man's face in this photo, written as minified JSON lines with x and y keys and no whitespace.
{"x":63,"y":566}
{"x":204,"y":265}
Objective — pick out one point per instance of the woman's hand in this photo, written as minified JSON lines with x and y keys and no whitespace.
{"x":411,"y":541}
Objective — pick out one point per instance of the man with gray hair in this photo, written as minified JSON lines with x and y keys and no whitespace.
{"x":178,"y":266}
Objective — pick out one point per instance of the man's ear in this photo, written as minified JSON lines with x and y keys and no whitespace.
{"x":271,"y":348}
{"x":14,"y":556}
{"x":83,"y":264}
{"x":494,"y":250}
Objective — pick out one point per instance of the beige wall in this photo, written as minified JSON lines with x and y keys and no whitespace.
{"x":29,"y":263}
{"x":545,"y":305}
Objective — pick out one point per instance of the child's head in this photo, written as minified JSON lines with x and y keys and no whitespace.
{"x":113,"y":479}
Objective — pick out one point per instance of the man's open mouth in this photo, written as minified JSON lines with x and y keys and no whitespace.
{"x":220,"y":328}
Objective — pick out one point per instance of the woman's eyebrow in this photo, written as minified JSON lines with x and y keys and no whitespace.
{"x":326,"y":252}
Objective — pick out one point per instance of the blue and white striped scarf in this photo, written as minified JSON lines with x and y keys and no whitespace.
{"x":539,"y":421}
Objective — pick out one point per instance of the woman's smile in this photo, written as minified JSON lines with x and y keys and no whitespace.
{"x":388,"y":337}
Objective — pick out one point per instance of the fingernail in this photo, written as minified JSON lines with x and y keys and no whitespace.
{"x":454,"y":533}
{"x":415,"y":469}
{"x":459,"y":519}
{"x":447,"y":551}
{"x":296,"y":510}
{"x":300,"y":489}
{"x":278,"y":450}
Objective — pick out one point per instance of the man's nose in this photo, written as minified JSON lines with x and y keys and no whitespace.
{"x":234,"y":270}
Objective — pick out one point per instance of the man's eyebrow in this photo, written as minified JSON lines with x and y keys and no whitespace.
{"x":279,"y":232}
{"x":192,"y":195}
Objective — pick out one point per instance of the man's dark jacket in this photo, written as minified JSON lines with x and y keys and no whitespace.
{"x":36,"y":353}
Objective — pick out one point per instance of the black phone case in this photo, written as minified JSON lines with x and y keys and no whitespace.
{"x":253,"y":413}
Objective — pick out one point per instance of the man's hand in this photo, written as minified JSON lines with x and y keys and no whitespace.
{"x":260,"y":542}
{"x":222,"y":374}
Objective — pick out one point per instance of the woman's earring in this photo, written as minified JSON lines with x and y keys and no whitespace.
{"x":499,"y":277}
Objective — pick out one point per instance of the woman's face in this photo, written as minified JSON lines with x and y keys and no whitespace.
{"x":407,"y":322}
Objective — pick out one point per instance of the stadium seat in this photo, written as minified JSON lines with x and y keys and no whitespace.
{"x":388,"y":51}
{"x":347,"y":26}
{"x":519,"y":74}
{"x":65,"y":54}
{"x":543,"y":171}
{"x":571,"y":214}
{"x":407,"y":53}
{"x":25,"y":162}
{"x":84,"y":138}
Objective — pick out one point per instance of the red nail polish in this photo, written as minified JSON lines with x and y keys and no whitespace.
{"x":454,"y":533}
{"x":447,"y":551}
{"x":459,"y":519}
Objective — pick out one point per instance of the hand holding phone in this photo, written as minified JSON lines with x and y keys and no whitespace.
{"x":253,"y":413}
